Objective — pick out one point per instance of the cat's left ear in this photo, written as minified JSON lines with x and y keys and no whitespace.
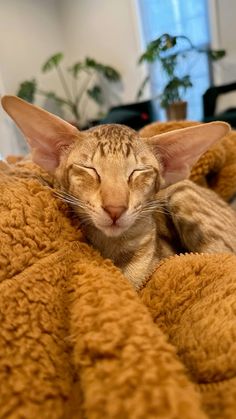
{"x":178,"y":150}
{"x":47,"y":134}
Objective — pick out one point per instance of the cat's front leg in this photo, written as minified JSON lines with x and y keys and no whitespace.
{"x":204,"y":222}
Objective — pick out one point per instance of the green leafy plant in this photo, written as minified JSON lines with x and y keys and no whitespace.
{"x":168,"y":50}
{"x":85,"y":75}
{"x":27,"y":90}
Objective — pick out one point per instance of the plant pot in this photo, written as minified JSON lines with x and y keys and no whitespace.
{"x":176,"y":111}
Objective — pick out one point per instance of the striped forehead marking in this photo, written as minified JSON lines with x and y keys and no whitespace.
{"x":114,"y":139}
{"x":112,"y":147}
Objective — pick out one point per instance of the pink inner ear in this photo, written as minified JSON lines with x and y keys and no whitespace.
{"x":47,"y":134}
{"x":174,"y":166}
{"x":47,"y":153}
{"x":44,"y":161}
{"x":179,"y":150}
{"x":174,"y":159}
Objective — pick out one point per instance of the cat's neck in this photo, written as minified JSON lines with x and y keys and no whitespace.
{"x":134,"y":252}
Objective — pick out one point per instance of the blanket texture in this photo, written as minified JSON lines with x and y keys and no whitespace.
{"x":76,"y":341}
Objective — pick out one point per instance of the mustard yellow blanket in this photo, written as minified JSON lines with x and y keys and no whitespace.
{"x":78,"y":342}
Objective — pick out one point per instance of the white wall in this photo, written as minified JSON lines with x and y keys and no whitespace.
{"x":222,"y":22}
{"x":29,"y":33}
{"x":107,"y":30}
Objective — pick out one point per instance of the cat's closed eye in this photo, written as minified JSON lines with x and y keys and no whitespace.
{"x":140,"y":171}
{"x":91,"y":171}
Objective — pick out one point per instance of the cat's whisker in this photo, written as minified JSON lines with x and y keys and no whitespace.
{"x":69,"y":199}
{"x":156,"y":207}
{"x":85,"y":222}
{"x":65,"y":195}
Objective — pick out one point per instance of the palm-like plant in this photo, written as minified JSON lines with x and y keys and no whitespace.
{"x":85,"y":83}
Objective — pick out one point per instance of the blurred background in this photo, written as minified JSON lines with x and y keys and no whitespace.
{"x":126,"y":61}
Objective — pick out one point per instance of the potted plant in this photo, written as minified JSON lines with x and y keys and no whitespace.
{"x":168,"y":50}
{"x":85,"y":74}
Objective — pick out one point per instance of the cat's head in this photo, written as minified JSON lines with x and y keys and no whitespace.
{"x":109,"y":173}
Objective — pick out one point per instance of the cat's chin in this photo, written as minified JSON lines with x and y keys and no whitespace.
{"x":113,"y":231}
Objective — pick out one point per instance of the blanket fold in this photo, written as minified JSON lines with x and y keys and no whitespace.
{"x":78,"y":342}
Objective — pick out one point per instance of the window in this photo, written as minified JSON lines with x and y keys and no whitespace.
{"x":179,"y":17}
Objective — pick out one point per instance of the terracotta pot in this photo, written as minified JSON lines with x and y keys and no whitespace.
{"x":177,"y":111}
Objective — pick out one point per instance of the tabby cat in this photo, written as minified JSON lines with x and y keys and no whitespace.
{"x":131,"y":194}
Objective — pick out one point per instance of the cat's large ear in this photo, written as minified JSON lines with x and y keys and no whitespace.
{"x":47,"y":134}
{"x":178,"y":150}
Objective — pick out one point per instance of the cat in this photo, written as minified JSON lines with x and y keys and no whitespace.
{"x":132,"y":195}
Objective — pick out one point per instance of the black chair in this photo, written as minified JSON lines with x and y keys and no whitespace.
{"x":209,"y":105}
{"x":134,"y":115}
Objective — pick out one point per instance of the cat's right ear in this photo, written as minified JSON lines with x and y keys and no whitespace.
{"x":180,"y":149}
{"x":47,"y":134}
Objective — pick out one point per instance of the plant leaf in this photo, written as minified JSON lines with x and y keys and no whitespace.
{"x":142,"y":87}
{"x":76,"y":68}
{"x":172,"y":93}
{"x":27,"y":90}
{"x":216,"y":54}
{"x":52,"y":95}
{"x":52,"y":62}
{"x":169,"y":63}
{"x":156,"y":47}
{"x":95,"y":93}
{"x":110,"y":73}
{"x":90,"y":62}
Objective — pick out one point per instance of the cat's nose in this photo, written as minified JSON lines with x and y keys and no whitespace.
{"x":114,"y":211}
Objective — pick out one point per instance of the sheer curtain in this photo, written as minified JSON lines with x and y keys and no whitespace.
{"x":11,"y":140}
{"x":179,"y":17}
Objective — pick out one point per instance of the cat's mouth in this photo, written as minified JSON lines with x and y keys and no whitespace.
{"x":113,"y":230}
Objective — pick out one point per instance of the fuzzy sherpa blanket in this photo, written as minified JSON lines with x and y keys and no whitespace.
{"x":76,"y":341}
